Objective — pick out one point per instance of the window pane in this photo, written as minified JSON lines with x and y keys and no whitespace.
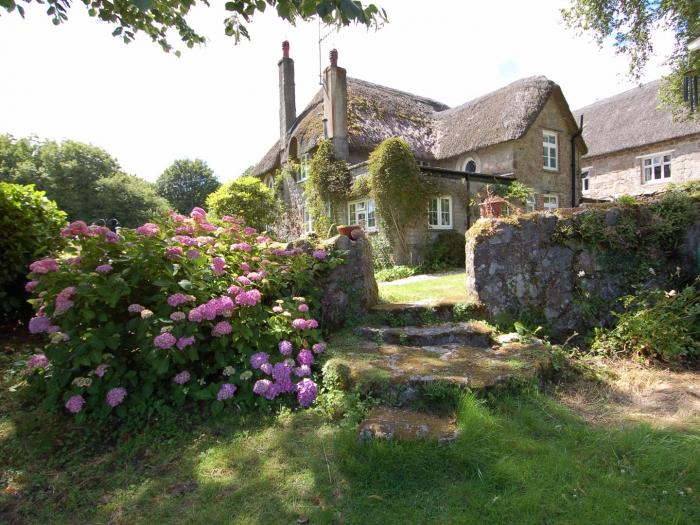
{"x":667,"y":158}
{"x":657,"y":172}
{"x":647,"y":162}
{"x":647,"y":174}
{"x":667,"y":171}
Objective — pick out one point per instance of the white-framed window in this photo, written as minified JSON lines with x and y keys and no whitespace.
{"x":550,"y":202}
{"x":530,"y":203}
{"x":550,"y":148}
{"x":362,"y":212}
{"x":308,"y":225}
{"x":586,"y":179}
{"x":656,"y":168}
{"x":440,"y":212}
{"x":304,"y":167}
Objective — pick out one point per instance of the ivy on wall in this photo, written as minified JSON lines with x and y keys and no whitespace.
{"x":329,"y":185}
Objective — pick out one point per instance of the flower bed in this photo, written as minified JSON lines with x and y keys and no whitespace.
{"x":190,"y":310}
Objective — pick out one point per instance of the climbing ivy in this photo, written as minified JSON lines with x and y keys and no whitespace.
{"x":328,"y":185}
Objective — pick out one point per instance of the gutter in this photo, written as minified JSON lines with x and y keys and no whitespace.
{"x":578,"y":133}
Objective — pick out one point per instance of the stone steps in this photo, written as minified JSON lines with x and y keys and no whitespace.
{"x":403,"y":424}
{"x":466,"y":333}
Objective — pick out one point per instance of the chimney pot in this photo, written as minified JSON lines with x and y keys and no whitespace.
{"x":285,"y":49}
{"x":334,"y":57}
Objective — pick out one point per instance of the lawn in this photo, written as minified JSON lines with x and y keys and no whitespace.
{"x":449,"y":287}
{"x":522,"y":457}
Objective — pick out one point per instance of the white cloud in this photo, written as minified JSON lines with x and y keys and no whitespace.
{"x":220,"y":102}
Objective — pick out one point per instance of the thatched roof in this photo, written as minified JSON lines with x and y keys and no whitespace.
{"x":432,"y":129}
{"x":629,"y":120}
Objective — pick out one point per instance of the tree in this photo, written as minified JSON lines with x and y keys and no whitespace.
{"x":186,"y":184}
{"x":630,"y":22}
{"x":156,"y":17}
{"x":245,"y":197}
{"x":129,"y":199}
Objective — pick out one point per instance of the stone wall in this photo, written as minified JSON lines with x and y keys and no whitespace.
{"x":620,"y":173}
{"x":519,"y":268}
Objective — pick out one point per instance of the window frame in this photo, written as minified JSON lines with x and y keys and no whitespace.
{"x":586,"y":188}
{"x":369,"y":208}
{"x":307,"y":221}
{"x":546,"y":133}
{"x":530,"y":204}
{"x":439,"y":213}
{"x":466,"y":163}
{"x":659,"y":155}
{"x":304,"y":168}
{"x":549,"y":196}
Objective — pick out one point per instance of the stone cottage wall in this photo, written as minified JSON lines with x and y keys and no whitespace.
{"x":517,"y":268}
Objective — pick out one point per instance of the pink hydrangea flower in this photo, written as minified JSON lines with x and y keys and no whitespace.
{"x":244,"y":280}
{"x":186,"y":240}
{"x":63,"y":302}
{"x":319,"y":348}
{"x":193,"y":254}
{"x":207,"y":227}
{"x":254,"y":276}
{"x":198,"y":214}
{"x":233,"y":290}
{"x":29,"y":287}
{"x":75,"y":404}
{"x":250,"y":298}
{"x":165,"y":340}
{"x":245,"y":267}
{"x":178,"y":316}
{"x":262,"y":239}
{"x":75,"y":228}
{"x":135,"y":308}
{"x":43,"y":266}
{"x":285,"y":347}
{"x":173,"y":252}
{"x":217,"y":265}
{"x":148,"y":230}
{"x":305,"y":357}
{"x":277,"y":309}
{"x":249,"y":231}
{"x":182,"y":378}
{"x":101,"y":370}
{"x":116,"y":396}
{"x":185,"y":341}
{"x":241,"y":246}
{"x":258,"y":359}
{"x":104,"y":268}
{"x":184,"y":230}
{"x":319,"y":254}
{"x":111,"y":237}
{"x":221,"y":328}
{"x":306,"y":392}
{"x":37,"y":361}
{"x":226,"y":391}
{"x":299,"y":324}
{"x":303,"y":308}
{"x":312,"y":324}
{"x":178,"y":298}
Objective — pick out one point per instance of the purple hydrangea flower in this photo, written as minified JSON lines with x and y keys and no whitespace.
{"x":299,"y":324}
{"x":221,"y":328}
{"x":249,"y":231}
{"x":165,"y":340}
{"x":178,"y":316}
{"x":29,"y":287}
{"x":184,"y":342}
{"x":104,"y":268}
{"x":135,"y":308}
{"x":302,"y":371}
{"x":266,"y":368}
{"x":39,"y":324}
{"x":226,"y":391}
{"x":258,"y":359}
{"x":319,"y":254}
{"x":75,"y":404}
{"x":306,"y":392}
{"x":115,"y":396}
{"x":177,"y":299}
{"x":305,"y":357}
{"x":285,"y":347}
{"x":182,"y":377}
{"x":261,"y":386}
{"x":37,"y":361}
{"x":303,"y":308}
{"x":217,"y":265}
{"x":63,"y":302}
{"x":101,"y":370}
{"x":319,"y":348}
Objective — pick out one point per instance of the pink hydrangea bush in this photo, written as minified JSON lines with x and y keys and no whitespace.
{"x":133,"y":321}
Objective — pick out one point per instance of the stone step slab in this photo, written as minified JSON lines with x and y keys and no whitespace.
{"x":407,"y":425}
{"x":471,"y":333}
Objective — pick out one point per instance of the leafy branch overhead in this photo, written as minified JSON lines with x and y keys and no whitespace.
{"x":157,"y":17}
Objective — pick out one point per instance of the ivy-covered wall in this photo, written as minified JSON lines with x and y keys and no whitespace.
{"x":567,"y":272}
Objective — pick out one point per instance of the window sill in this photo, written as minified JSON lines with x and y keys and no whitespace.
{"x":439,"y":227}
{"x":551,"y":170}
{"x":656,"y":181}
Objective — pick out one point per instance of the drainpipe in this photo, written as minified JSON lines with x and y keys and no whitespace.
{"x":574,"y":175}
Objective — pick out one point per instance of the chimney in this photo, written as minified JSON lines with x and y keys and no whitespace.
{"x":288,"y":112}
{"x":335,"y":106}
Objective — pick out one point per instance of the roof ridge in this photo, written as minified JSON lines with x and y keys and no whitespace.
{"x":618,"y":96}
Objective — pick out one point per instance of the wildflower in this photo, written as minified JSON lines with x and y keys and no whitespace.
{"x":306,"y":392}
{"x":226,"y":391}
{"x":135,"y":308}
{"x":228,"y":371}
{"x":258,"y":359}
{"x":221,"y":328}
{"x":217,"y":265}
{"x":319,"y":348}
{"x":104,"y":268}
{"x":285,"y":347}
{"x":148,"y":230}
{"x":305,"y":357}
{"x":146,"y":313}
{"x":184,"y":342}
{"x":165,"y":340}
{"x":101,"y":370}
{"x":319,"y":254}
{"x":29,"y":287}
{"x":63,"y":302}
{"x":182,"y":378}
{"x":39,"y":324}
{"x":37,"y":361}
{"x":178,"y":316}
{"x":116,"y":396}
{"x":303,"y":308}
{"x":75,"y":404}
{"x":82,"y":382}
{"x":43,"y":266}
{"x":261,"y":386}
{"x":173,"y":252}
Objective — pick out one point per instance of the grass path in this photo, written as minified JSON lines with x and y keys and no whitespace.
{"x":521,"y":458}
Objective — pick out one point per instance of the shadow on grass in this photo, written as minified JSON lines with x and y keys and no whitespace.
{"x":521,"y":458}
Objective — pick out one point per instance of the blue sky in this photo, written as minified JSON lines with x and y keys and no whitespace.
{"x":219,"y":102}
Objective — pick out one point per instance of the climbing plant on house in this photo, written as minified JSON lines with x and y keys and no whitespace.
{"x":328,"y":186}
{"x":399,"y":191}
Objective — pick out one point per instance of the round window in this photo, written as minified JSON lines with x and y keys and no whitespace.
{"x":470,"y":167}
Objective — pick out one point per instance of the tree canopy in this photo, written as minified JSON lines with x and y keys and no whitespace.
{"x":156,"y":18}
{"x":186,"y":184}
{"x":630,"y":23}
{"x":247,"y":198}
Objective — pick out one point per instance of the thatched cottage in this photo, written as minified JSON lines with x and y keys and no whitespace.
{"x":524,"y":131}
{"x":635,"y":147}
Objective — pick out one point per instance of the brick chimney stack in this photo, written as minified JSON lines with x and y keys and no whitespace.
{"x":288,"y":112}
{"x":335,"y":106}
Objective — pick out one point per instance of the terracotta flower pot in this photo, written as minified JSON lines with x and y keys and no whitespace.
{"x":347,"y":230}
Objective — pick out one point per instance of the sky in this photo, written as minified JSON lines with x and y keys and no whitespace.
{"x":219,"y":102}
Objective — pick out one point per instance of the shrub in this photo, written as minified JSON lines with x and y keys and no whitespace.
{"x":30,"y":226}
{"x":396,"y":272}
{"x":382,"y":253}
{"x":446,"y":251}
{"x":245,"y":197}
{"x":655,"y":323}
{"x":173,"y":313}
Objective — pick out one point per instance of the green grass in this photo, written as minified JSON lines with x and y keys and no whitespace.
{"x":451,"y":287}
{"x":521,"y":458}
